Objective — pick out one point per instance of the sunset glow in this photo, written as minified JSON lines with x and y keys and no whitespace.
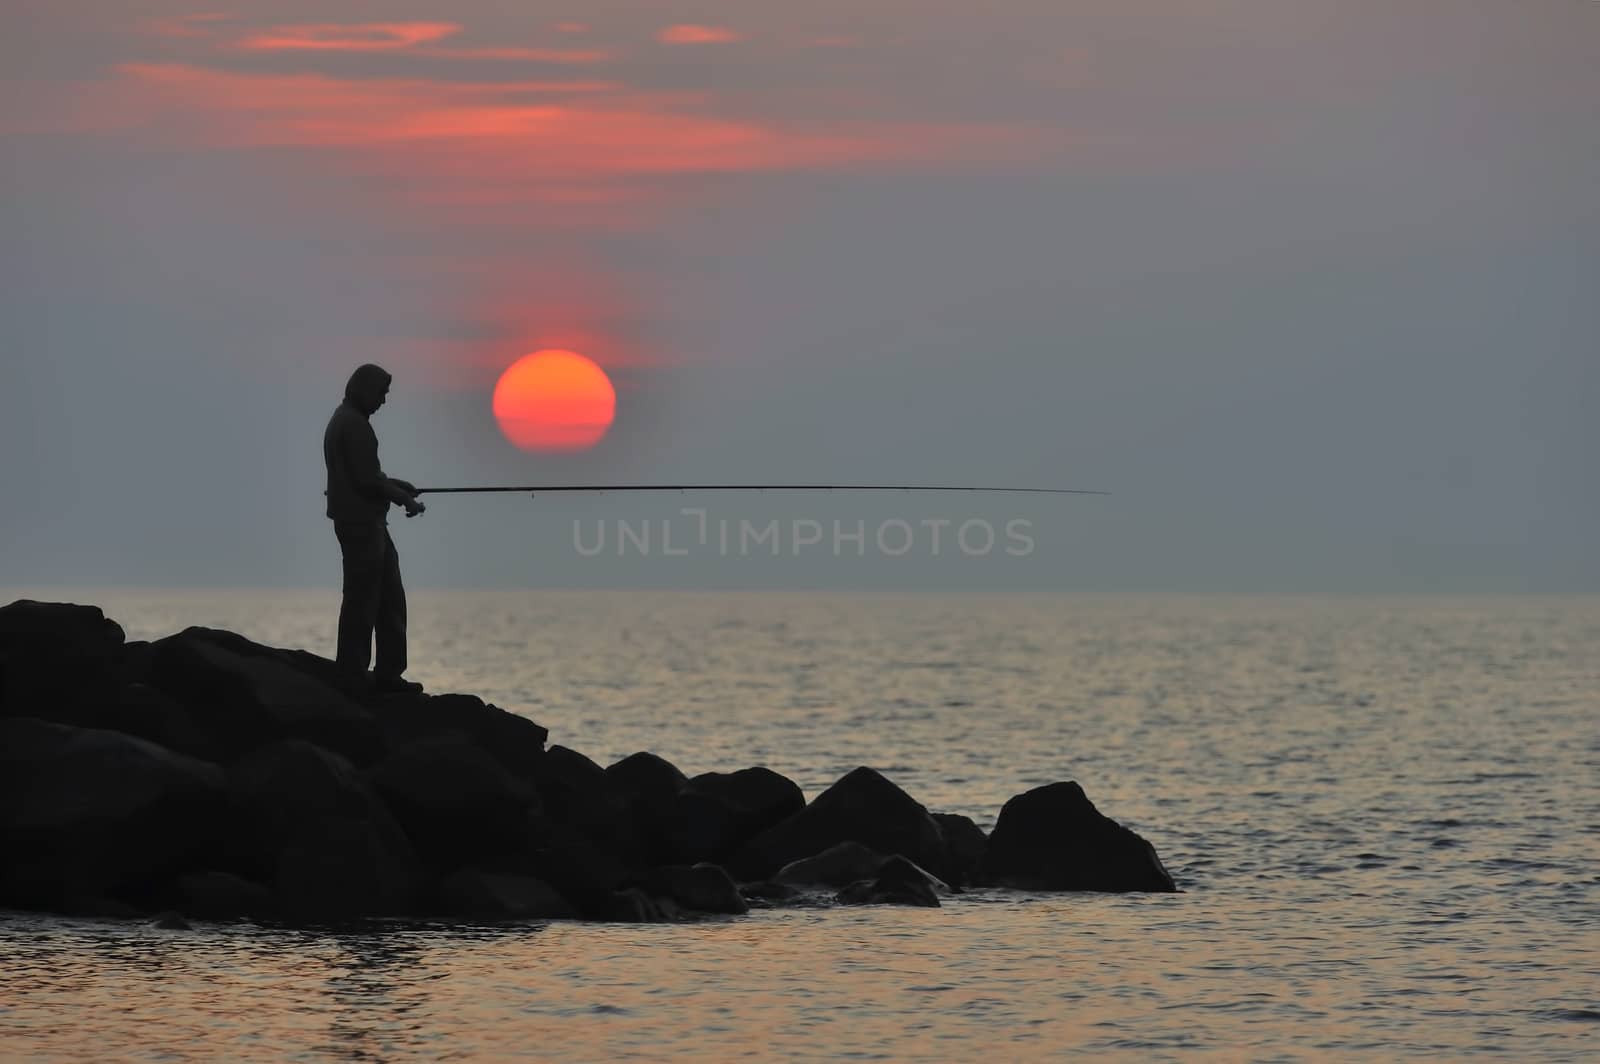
{"x":689,"y":34}
{"x":554,"y":400}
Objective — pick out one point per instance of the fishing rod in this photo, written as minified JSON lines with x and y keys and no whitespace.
{"x":539,"y":489}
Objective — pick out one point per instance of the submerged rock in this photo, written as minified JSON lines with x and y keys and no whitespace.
{"x":769,"y":891}
{"x":214,"y":895}
{"x":503,"y":896}
{"x":898,"y":882}
{"x":634,"y":906}
{"x":837,"y":866}
{"x":1053,"y":838}
{"x":703,"y":888}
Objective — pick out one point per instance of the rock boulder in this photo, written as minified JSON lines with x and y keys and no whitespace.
{"x":1053,"y":838}
{"x":862,"y":807}
{"x":86,"y":812}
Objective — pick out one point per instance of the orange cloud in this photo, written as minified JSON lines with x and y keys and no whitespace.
{"x":689,"y":34}
{"x":585,"y":129}
{"x":563,"y":154}
{"x":359,"y":37}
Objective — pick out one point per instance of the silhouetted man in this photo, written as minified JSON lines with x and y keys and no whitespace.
{"x":359,"y":496}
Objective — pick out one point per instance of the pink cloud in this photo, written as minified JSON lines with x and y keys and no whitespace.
{"x":357,"y":37}
{"x":690,"y":34}
{"x":573,"y":56}
{"x":412,"y":38}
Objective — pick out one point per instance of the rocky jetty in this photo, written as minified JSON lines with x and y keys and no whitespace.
{"x":208,"y":776}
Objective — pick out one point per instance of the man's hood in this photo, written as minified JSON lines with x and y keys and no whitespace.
{"x":363,"y":384}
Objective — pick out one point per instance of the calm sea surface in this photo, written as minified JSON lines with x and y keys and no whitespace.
{"x":1384,"y":815}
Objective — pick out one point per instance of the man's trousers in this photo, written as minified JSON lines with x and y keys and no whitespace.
{"x":374,"y":600}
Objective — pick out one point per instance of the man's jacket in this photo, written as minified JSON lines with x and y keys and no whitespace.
{"x":357,"y":488}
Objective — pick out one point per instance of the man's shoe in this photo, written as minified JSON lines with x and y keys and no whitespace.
{"x":395,"y":685}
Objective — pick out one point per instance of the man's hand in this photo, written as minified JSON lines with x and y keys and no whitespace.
{"x":414,"y":506}
{"x":406,"y":485}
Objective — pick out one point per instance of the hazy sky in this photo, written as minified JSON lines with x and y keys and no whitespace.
{"x":1308,"y":284}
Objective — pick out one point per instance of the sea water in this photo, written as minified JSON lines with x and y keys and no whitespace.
{"x":1383,"y":814}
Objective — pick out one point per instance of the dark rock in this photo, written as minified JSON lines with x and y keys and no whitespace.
{"x":56,"y":657}
{"x":514,"y":741}
{"x":136,"y":654}
{"x":716,"y":813}
{"x":864,"y":807}
{"x":898,"y":882}
{"x":457,"y":804}
{"x":141,"y":710}
{"x":837,"y":866}
{"x":110,"y":802}
{"x":323,"y":670}
{"x":584,"y":873}
{"x":215,"y":895}
{"x":503,"y":896}
{"x":577,"y":792}
{"x":692,"y":827}
{"x":571,"y":784}
{"x":243,"y":694}
{"x":704,"y":888}
{"x":964,"y":846}
{"x":342,"y":868}
{"x":279,"y":789}
{"x":759,"y":797}
{"x":1053,"y":838}
{"x":86,"y":812}
{"x":646,"y":786}
{"x":59,"y":623}
{"x":133,"y":709}
{"x":645,"y":779}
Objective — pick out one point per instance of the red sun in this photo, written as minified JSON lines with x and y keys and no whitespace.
{"x":554,"y":400}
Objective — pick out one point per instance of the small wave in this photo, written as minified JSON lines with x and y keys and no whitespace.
{"x":1517,"y":863}
{"x":1571,"y":1015}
